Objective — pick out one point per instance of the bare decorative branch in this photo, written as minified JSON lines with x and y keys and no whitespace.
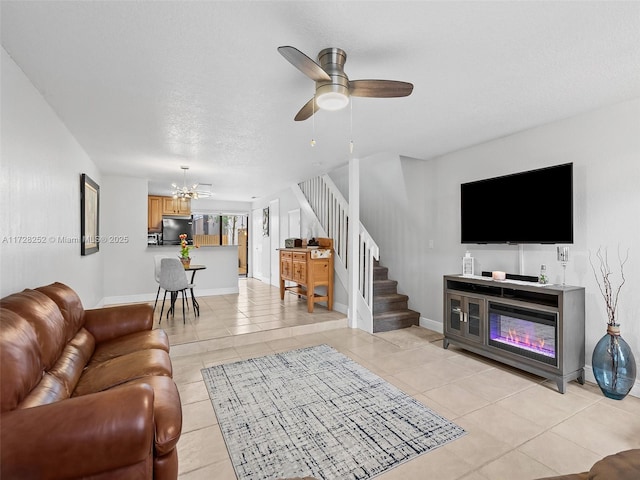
{"x":608,"y":291}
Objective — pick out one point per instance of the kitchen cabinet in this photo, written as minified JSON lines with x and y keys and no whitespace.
{"x":154,"y":223}
{"x":157,"y":206}
{"x":176,"y":206}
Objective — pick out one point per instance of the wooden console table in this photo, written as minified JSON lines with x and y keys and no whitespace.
{"x":308,"y":268}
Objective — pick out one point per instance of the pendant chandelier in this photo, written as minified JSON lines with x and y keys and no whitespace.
{"x":184,"y":191}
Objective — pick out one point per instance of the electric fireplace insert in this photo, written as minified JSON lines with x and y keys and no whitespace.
{"x":529,"y":333}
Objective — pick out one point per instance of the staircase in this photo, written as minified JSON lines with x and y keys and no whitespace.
{"x":390,"y":308}
{"x":380,"y":307}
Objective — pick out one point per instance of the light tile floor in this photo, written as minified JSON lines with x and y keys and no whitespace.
{"x":519,"y":426}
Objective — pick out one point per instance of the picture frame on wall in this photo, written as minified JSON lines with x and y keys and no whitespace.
{"x":89,"y":215}
{"x":265,"y":222}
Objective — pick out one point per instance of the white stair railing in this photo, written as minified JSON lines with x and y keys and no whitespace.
{"x":332,"y":212}
{"x":369,"y":252}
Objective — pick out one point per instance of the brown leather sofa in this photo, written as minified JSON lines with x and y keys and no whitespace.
{"x":84,"y":393}
{"x":620,"y":466}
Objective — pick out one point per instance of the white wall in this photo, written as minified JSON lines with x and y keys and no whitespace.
{"x":604,"y":146}
{"x":40,"y":200}
{"x":129,"y":262}
{"x":124,"y":229}
{"x":422,"y":203}
{"x":40,"y":195}
{"x":289,"y":202}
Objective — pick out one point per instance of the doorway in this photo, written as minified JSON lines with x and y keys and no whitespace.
{"x":294,"y":224}
{"x":274,"y":244}
{"x":257,"y":237}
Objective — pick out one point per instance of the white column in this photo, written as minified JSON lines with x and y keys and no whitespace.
{"x":354,"y":239}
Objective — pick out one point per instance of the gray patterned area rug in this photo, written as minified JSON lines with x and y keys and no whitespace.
{"x":315,"y":412}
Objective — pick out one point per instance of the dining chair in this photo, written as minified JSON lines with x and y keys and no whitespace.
{"x":173,"y":280}
{"x":156,"y":260}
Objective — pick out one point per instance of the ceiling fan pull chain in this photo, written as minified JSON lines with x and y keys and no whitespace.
{"x":351,"y":127}
{"x":313,"y":119}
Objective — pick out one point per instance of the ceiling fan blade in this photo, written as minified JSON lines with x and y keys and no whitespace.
{"x":380,"y":88}
{"x":303,"y":63}
{"x":306,"y":111}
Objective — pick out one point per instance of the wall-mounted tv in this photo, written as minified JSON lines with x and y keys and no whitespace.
{"x":535,"y":206}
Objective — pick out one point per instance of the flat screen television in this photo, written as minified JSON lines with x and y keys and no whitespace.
{"x":173,"y":227}
{"x":535,"y":206}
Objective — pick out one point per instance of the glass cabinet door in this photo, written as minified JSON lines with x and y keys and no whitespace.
{"x":474,"y":311}
{"x":464,"y":316}
{"x":454,"y":314}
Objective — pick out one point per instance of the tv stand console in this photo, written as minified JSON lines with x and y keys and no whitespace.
{"x":536,"y":328}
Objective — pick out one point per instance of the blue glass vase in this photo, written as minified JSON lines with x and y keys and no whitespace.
{"x":613,"y":364}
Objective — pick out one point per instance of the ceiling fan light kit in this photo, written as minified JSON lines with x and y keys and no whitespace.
{"x":331,"y":100}
{"x":333,"y":87}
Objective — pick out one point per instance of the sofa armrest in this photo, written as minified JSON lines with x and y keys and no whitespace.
{"x":112,"y":322}
{"x":80,"y":436}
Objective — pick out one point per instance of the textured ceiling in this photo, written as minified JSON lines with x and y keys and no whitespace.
{"x":146,"y":87}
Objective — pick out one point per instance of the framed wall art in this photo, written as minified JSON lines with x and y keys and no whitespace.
{"x":89,"y":215}
{"x":265,"y":222}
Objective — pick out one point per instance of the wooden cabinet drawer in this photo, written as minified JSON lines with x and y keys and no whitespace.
{"x":299,"y":257}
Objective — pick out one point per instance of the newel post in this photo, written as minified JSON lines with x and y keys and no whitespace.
{"x":353,"y":240}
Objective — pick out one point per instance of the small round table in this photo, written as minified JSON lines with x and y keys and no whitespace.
{"x":194,"y":268}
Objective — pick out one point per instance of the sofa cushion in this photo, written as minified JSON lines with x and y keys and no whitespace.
{"x":69,"y":304}
{"x":84,"y":342}
{"x":113,"y":322}
{"x":70,"y":365}
{"x":101,"y":376}
{"x":131,"y":343}
{"x":50,"y":390}
{"x":20,"y":367}
{"x":45,"y":318}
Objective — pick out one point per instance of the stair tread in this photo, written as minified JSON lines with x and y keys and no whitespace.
{"x":395,"y":313}
{"x":389,"y":296}
{"x":402,"y":319}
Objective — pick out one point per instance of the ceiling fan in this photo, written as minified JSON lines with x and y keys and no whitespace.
{"x":333,"y":87}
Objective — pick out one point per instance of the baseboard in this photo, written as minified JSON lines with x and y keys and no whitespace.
{"x":339,"y":307}
{"x":590,"y":377}
{"x":434,"y":325}
{"x":151,"y":297}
